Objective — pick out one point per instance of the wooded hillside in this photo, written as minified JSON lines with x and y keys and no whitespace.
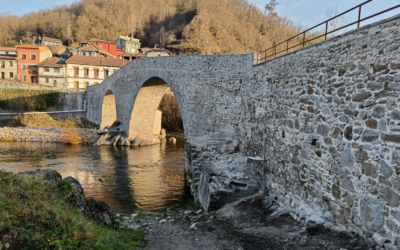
{"x":185,"y":26}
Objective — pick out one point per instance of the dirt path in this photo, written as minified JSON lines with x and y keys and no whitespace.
{"x":246,"y":225}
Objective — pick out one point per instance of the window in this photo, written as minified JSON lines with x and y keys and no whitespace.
{"x":57,"y":70}
{"x":33,"y":57}
{"x":23,"y":56}
{"x":106,"y":73}
{"x":46,"y":70}
{"x":11,"y":63}
{"x":85,"y":84}
{"x":47,"y":80}
{"x":76,"y":72}
{"x":3,"y":64}
{"x":54,"y":83}
{"x":11,"y":74}
{"x":86,"y":72}
{"x":24,"y":78}
{"x":96,"y":73}
{"x":23,"y":67}
{"x":76,"y":84}
{"x":6,"y":52}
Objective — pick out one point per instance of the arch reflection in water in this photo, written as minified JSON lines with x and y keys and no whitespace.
{"x":129,"y":179}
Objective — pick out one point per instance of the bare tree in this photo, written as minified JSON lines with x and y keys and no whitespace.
{"x":336,"y":22}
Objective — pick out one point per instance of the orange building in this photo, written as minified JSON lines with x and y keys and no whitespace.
{"x":28,"y":58}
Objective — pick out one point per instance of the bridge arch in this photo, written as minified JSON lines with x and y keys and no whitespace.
{"x":145,"y":118}
{"x":108,"y":110}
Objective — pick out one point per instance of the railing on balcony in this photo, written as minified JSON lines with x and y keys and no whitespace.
{"x":273,"y":51}
{"x":32,"y":72}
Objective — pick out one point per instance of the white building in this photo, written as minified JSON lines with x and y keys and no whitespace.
{"x":83,"y":71}
{"x":51,"y":41}
{"x":53,"y":72}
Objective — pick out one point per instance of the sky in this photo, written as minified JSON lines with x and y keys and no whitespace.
{"x":305,"y":12}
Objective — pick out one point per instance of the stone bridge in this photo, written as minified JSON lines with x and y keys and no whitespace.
{"x":327,"y":117}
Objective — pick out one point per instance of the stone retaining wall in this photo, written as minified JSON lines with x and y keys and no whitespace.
{"x":331,"y":117}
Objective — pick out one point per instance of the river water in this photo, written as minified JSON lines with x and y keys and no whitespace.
{"x":129,"y":179}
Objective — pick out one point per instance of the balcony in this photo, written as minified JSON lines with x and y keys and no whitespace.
{"x":32,"y":72}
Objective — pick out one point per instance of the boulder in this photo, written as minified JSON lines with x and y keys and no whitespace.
{"x":77,"y":194}
{"x":49,"y":175}
{"x":98,"y":210}
{"x":371,"y":213}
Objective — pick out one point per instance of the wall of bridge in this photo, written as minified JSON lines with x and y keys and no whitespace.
{"x":329,"y":115}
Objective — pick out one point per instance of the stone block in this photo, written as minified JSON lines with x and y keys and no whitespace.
{"x":359,"y":97}
{"x":386,"y":169}
{"x":323,"y":130}
{"x":371,"y":123}
{"x":382,"y":125}
{"x":395,"y":115}
{"x":388,"y":195}
{"x":347,"y":158}
{"x":371,"y":213}
{"x":389,"y":137}
{"x":337,"y":133}
{"x":348,"y":133}
{"x":369,"y":169}
{"x":370,"y":135}
{"x":379,"y":111}
{"x":361,"y":155}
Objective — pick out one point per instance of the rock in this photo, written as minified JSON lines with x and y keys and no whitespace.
{"x":361,"y":155}
{"x":98,"y":210}
{"x":134,"y":215}
{"x":347,"y":158}
{"x":77,"y":193}
{"x":134,"y":227}
{"x":337,"y":133}
{"x":49,"y":175}
{"x":172,"y":139}
{"x":379,"y":239}
{"x":387,"y":194}
{"x":370,"y":135}
{"x":199,"y":211}
{"x":162,"y":221}
{"x":187,"y":212}
{"x":371,"y":213}
{"x":379,"y":111}
{"x":369,"y":169}
{"x":382,"y":125}
{"x":390,"y":137}
{"x":323,"y":129}
{"x":193,"y":226}
{"x":385,"y":169}
{"x":348,"y":133}
{"x":361,"y":96}
{"x":395,"y":115}
{"x":389,"y":246}
{"x":371,"y":123}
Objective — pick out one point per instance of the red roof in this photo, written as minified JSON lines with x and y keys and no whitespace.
{"x":93,"y":47}
{"x":12,"y":57}
{"x":52,"y":39}
{"x":8,"y":48}
{"x":99,"y":61}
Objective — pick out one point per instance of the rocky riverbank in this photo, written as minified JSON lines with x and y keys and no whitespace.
{"x":37,"y":134}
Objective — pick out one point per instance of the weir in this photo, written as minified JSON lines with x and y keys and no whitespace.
{"x":329,"y":113}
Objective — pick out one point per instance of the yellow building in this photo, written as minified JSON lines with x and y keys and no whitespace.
{"x":8,"y":63}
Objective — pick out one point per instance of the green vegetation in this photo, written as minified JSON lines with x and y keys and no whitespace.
{"x":34,"y":215}
{"x":20,"y":100}
{"x":342,"y":72}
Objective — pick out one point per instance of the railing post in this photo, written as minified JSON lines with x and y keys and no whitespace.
{"x":287,"y":47}
{"x":359,"y":16}
{"x":326,"y":30}
{"x":304,"y":38}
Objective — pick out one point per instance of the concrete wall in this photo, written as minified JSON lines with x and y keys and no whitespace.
{"x":329,"y":115}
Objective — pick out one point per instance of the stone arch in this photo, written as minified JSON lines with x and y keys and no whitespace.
{"x":145,"y":118}
{"x":108,"y":110}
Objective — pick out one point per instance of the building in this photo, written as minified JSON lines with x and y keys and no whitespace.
{"x":92,"y":50}
{"x":51,"y":41}
{"x":8,"y":63}
{"x":53,"y":72}
{"x":83,"y":71}
{"x":110,"y":48}
{"x":129,"y":45}
{"x":28,"y":58}
{"x":155,"y":52}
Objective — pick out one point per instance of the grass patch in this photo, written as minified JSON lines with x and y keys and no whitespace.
{"x":20,"y":100}
{"x":34,"y":215}
{"x":45,"y":121}
{"x":188,"y":204}
{"x":72,"y":136}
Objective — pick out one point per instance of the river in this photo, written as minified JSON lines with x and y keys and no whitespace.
{"x":131,"y":180}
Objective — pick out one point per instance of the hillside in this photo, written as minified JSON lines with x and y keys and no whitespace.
{"x":185,"y":26}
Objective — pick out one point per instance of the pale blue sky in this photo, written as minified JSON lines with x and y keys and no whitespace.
{"x":305,"y":12}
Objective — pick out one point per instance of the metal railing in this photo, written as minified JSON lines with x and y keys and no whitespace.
{"x":264,"y":56}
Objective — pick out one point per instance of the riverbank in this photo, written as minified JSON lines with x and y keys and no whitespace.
{"x":40,"y":210}
{"x":58,"y":135}
{"x":255,"y":222}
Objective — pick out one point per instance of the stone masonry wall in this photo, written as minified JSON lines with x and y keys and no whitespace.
{"x":331,"y":117}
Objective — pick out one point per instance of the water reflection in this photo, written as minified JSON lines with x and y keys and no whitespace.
{"x":137,"y":179}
